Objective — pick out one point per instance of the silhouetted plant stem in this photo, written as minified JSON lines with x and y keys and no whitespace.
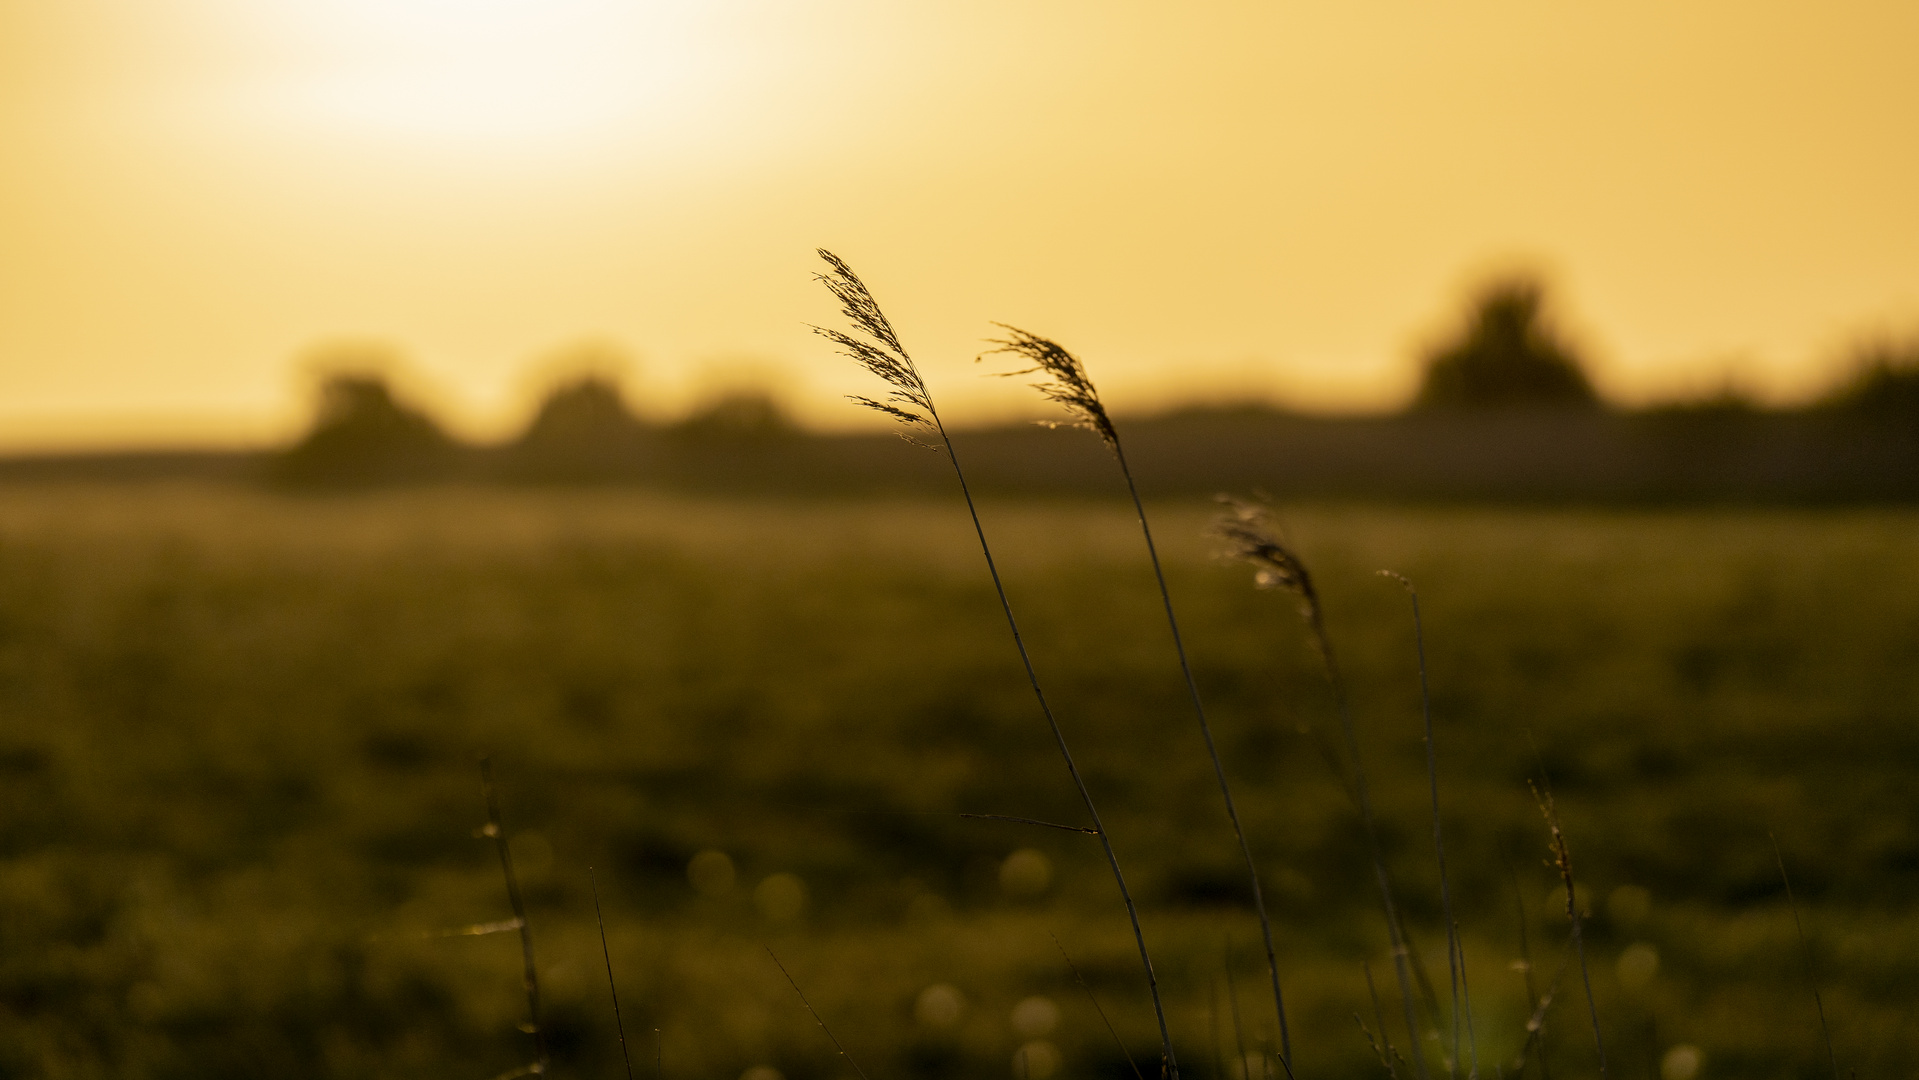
{"x":1066,"y":754}
{"x":1219,"y":769}
{"x":1097,"y":1007}
{"x":1805,"y":949}
{"x":1243,"y":526}
{"x":1536,"y":1023}
{"x":1455,"y":952}
{"x":1532,"y":992}
{"x":613,"y":989}
{"x":886,"y":357}
{"x":814,"y":1013}
{"x":1393,"y":930}
{"x":1386,"y":1052}
{"x":531,"y":977}
{"x":1563,"y":860}
{"x":1072,"y":387}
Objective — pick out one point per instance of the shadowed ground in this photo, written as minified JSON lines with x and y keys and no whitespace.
{"x":239,"y":787}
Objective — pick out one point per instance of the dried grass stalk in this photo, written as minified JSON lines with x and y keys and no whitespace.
{"x":1455,"y":953}
{"x":1562,"y":860}
{"x":1245,"y":528}
{"x":880,"y":352}
{"x":1067,"y":383}
{"x":530,"y":977}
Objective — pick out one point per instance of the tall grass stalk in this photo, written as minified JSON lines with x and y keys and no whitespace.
{"x":619,"y":1026}
{"x":1385,"y":1045}
{"x":1536,"y":1024}
{"x":1455,"y":953}
{"x":1538,"y":1033}
{"x":531,"y":977}
{"x":1067,"y":383}
{"x":1243,"y":527}
{"x":814,"y":1013}
{"x":1097,"y":1007}
{"x":909,"y":401}
{"x":1563,"y":861}
{"x":1805,"y":949}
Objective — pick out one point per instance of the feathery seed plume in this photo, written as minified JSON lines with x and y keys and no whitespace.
{"x":883,"y":355}
{"x":1245,"y":528}
{"x":1069,"y":384}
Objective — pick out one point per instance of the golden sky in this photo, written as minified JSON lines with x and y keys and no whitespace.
{"x":1204,"y":200}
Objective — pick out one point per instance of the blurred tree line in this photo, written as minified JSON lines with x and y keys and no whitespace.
{"x":1505,"y":399}
{"x":584,"y":429}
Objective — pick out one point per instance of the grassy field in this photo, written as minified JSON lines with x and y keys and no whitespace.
{"x":239,"y":793}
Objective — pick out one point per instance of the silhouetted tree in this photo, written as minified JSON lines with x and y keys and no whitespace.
{"x":362,"y":434}
{"x":1884,"y":386}
{"x":1508,"y":355}
{"x":741,"y":415}
{"x":583,"y":430}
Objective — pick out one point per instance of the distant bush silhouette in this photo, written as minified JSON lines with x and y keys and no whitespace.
{"x":1508,"y":356}
{"x":1884,"y":386}
{"x":583,"y":430}
{"x":361,"y":434}
{"x":739,"y":415}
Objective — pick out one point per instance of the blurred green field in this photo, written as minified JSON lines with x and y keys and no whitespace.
{"x":239,"y":793}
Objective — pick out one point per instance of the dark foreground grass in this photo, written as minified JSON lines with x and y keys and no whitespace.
{"x":239,"y":793}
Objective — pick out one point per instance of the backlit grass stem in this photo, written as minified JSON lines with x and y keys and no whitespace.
{"x":1805,"y":948}
{"x":531,"y":977}
{"x":1243,"y":527}
{"x":619,"y":1026}
{"x":1455,"y":953}
{"x":1563,"y":861}
{"x":879,"y":351}
{"x":1067,"y":383}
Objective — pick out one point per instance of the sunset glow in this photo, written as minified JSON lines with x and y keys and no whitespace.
{"x":1242,"y":199}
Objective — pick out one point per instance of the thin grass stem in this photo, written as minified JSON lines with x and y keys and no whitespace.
{"x":815,"y":1014}
{"x":1562,"y":858}
{"x":1455,"y":952}
{"x":1219,"y":769}
{"x":1066,"y":753}
{"x":1094,"y":998}
{"x":1393,"y":927}
{"x":612,"y":988}
{"x":1031,"y":821}
{"x":1536,"y":1022}
{"x":1378,"y":1051}
{"x":1068,"y":383}
{"x":1243,"y":526}
{"x":1532,"y":992}
{"x":1805,"y":949}
{"x":531,"y":977}
{"x":1379,"y":1017}
{"x":912,"y":403}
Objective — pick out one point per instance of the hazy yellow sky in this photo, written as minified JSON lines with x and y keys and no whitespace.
{"x":1203,"y":199}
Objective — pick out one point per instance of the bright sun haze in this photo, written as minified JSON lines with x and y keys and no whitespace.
{"x":1278,"y":201}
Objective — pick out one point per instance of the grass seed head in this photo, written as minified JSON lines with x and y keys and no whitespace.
{"x":876,"y":347}
{"x":1066,"y":382}
{"x":1246,"y":529}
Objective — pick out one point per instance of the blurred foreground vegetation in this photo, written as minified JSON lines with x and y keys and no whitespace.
{"x":239,"y":793}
